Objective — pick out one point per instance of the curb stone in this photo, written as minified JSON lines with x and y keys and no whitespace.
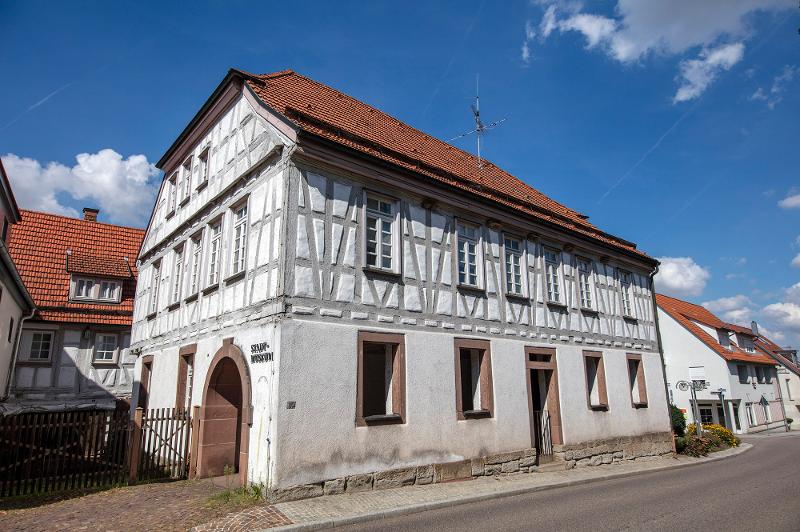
{"x":423,"y":507}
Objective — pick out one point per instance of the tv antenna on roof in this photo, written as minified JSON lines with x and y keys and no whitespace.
{"x":480,"y":127}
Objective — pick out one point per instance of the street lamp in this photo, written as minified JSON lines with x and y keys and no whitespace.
{"x":694,"y":386}
{"x":721,"y":393}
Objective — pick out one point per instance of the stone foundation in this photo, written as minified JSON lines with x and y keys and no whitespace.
{"x":612,"y":450}
{"x":515,"y":462}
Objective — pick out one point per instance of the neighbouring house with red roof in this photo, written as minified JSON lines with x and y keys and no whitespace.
{"x":16,"y":303}
{"x":348,"y":303}
{"x":722,"y":357}
{"x":788,"y":375}
{"x":74,"y":351}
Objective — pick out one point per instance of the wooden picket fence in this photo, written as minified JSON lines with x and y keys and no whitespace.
{"x":44,"y":452}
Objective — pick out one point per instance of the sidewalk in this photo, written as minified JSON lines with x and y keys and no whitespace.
{"x":337,"y":510}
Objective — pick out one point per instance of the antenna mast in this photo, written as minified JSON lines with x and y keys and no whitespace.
{"x":480,"y":127}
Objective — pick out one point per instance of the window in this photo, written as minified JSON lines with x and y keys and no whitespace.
{"x":637,"y":381}
{"x":202,"y":168}
{"x":239,"y":251}
{"x":585,"y":283}
{"x":108,"y":290}
{"x":214,"y":251}
{"x":183,"y":392}
{"x":596,"y":394}
{"x":751,"y":417}
{"x":41,"y":344}
{"x":177,"y":276}
{"x":381,"y":379}
{"x":625,"y":287}
{"x":788,"y":381}
{"x":513,"y":266}
{"x":473,"y":367}
{"x":380,"y":218}
{"x":552,"y":258}
{"x":706,"y":415}
{"x":105,"y":348}
{"x":11,"y":330}
{"x":197,"y":256}
{"x":172,"y":185}
{"x":84,"y":289}
{"x":187,"y":180}
{"x":760,"y":375}
{"x":468,"y":255}
{"x":743,"y":373}
{"x":155,"y":280}
{"x":768,"y":375}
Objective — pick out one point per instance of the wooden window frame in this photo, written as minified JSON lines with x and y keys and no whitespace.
{"x":396,"y":226}
{"x":185,"y":354}
{"x":486,"y":381}
{"x":461,"y":239}
{"x":640,"y":379}
{"x":520,"y":254}
{"x":144,"y":382}
{"x":236,"y":223}
{"x":602,"y":390}
{"x":202,"y":166}
{"x":115,"y":353}
{"x":553,"y":395}
{"x":398,"y":379}
{"x":186,"y":180}
{"x":626,"y":293}
{"x":555,"y":279}
{"x":587,"y":302}
{"x":172,"y":194}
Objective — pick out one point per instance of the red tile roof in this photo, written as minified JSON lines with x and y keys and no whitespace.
{"x":775,"y":351}
{"x":687,"y":314}
{"x":323,"y":111}
{"x":39,"y":243}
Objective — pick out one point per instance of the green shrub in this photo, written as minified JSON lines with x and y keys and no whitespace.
{"x":678,"y":420}
{"x":697,"y":447}
{"x":789,"y":420}
{"x":680,"y":444}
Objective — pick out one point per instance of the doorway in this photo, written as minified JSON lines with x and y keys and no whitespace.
{"x":224,"y":415}
{"x":543,"y":401}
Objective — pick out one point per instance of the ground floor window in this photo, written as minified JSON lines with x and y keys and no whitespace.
{"x":473,"y":369}
{"x":595,"y":380}
{"x":636,"y":380}
{"x":751,"y":418}
{"x":706,"y":415}
{"x":381,"y":379}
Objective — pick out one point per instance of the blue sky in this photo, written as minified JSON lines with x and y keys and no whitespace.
{"x":671,"y":124}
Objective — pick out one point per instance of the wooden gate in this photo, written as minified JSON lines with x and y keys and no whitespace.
{"x":160,"y":444}
{"x":52,"y":451}
{"x":544,"y":438}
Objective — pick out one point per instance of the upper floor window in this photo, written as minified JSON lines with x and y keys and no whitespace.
{"x":741,"y":369}
{"x":625,"y":287}
{"x":197,"y":256}
{"x":239,"y":250}
{"x":41,"y":345}
{"x":187,"y":179}
{"x":202,"y":168}
{"x":381,"y":233}
{"x":155,"y":280}
{"x":177,"y":275}
{"x":760,"y":375}
{"x":172,"y":199}
{"x":105,"y":348}
{"x":552,"y":260}
{"x":585,"y":282}
{"x":214,"y":248}
{"x":96,"y":290}
{"x":513,"y":266}
{"x":468,"y":254}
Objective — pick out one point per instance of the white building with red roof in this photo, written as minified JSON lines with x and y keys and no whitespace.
{"x":73,"y":352}
{"x":721,"y":357}
{"x":348,"y":303}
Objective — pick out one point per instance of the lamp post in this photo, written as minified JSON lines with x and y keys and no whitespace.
{"x":721,"y":393}
{"x":694,"y":386}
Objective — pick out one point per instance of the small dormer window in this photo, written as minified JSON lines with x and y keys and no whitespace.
{"x":88,"y":289}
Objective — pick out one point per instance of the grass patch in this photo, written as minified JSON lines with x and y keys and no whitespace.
{"x":237,"y":497}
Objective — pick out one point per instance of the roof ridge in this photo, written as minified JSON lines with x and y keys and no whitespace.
{"x":70,"y":218}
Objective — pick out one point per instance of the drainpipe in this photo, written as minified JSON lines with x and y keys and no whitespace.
{"x":661,"y":348}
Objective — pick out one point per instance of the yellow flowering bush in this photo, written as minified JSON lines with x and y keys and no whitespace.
{"x":716,"y":433}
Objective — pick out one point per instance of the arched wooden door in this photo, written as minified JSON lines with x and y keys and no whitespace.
{"x":224,"y":415}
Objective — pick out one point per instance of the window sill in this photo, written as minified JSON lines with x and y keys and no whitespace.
{"x":630,"y":319}
{"x":384,"y":419}
{"x":203,"y":184}
{"x":590,"y":311}
{"x":476,"y":414}
{"x":151,"y":315}
{"x":170,"y":214}
{"x":104,"y":363}
{"x":184,"y":201}
{"x":191,"y":298}
{"x":516,"y":297}
{"x":471,"y":288}
{"x":639,"y":405}
{"x":598,"y":408}
{"x":210,"y":288}
{"x":557,"y":305}
{"x":381,"y":271}
{"x":36,"y":362}
{"x":173,"y":306}
{"x":235,"y":277}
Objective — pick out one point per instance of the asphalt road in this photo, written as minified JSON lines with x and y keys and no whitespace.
{"x":758,"y":490}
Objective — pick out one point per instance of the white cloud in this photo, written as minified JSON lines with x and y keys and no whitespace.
{"x":793,"y":294}
{"x":123,"y":189}
{"x":790,"y":202}
{"x":697,"y":74}
{"x":786,"y":315}
{"x":530,"y":33}
{"x":641,"y":28}
{"x":796,"y":261}
{"x":735,"y":309}
{"x":775,"y":94}
{"x":681,"y":276}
